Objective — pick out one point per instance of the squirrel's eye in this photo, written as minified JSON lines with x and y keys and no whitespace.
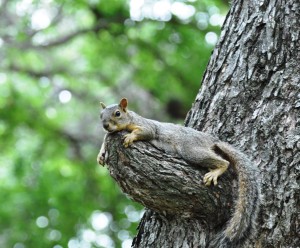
{"x":117,"y":114}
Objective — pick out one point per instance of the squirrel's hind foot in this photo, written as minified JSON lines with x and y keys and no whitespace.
{"x":213,"y":175}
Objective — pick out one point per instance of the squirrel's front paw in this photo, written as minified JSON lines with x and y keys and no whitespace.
{"x":128,"y":139}
{"x":101,"y":157}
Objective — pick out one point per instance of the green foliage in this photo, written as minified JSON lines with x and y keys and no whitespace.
{"x":58,"y":60}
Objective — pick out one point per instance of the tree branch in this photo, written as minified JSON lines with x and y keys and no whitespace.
{"x":101,"y":24}
{"x":70,"y":36}
{"x":35,"y":73}
{"x":55,"y":20}
{"x":168,"y":185}
{"x":3,"y":7}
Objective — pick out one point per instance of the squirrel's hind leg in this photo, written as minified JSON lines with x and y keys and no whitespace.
{"x":207,"y":158}
{"x":215,"y":173}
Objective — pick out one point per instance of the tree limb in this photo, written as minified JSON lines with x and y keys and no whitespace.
{"x":35,"y":73}
{"x":70,"y":36}
{"x":168,"y":185}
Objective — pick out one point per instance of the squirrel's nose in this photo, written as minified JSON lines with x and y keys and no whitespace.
{"x":106,"y":125}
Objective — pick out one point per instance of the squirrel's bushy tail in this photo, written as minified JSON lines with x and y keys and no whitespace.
{"x":242,"y":222}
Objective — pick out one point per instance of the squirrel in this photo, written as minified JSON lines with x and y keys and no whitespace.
{"x":198,"y":148}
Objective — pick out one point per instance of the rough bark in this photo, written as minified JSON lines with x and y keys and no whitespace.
{"x":171,"y":188}
{"x":250,"y":97}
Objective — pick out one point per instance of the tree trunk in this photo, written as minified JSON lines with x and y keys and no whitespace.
{"x":250,"y":97}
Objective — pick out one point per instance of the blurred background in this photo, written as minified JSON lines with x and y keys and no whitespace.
{"x":58,"y":59}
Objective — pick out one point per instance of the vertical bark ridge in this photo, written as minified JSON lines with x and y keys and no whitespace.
{"x":157,"y":230}
{"x":250,"y":97}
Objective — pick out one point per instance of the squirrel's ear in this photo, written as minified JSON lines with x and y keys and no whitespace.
{"x":123,"y":104}
{"x":102,"y":105}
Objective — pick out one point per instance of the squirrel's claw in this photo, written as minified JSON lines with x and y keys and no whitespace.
{"x":128,"y":139}
{"x":209,"y":177}
{"x":101,"y":158}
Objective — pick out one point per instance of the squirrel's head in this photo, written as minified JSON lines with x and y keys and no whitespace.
{"x":115,"y":117}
